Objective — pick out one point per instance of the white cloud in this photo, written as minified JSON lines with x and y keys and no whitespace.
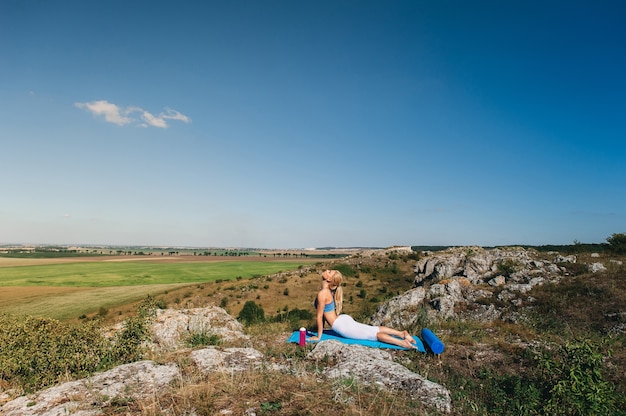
{"x":122,"y":116}
{"x":111,"y":112}
{"x":152,"y":120}
{"x":175,"y":115}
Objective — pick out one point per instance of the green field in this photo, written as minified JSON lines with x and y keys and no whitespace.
{"x":69,"y":290}
{"x":106,"y":274}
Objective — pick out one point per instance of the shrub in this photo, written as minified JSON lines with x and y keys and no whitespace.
{"x":365,"y":268}
{"x":36,"y":352}
{"x":575,"y":380}
{"x":508,"y":267}
{"x":128,"y":343}
{"x":509,"y":394}
{"x":203,"y":338}
{"x":345,"y":269}
{"x":251,"y":313}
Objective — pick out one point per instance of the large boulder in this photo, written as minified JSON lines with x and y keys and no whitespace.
{"x":172,"y":327}
{"x":376,"y":367}
{"x":401,"y":311}
{"x":86,"y":397}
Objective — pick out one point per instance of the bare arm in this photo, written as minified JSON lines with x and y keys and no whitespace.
{"x":321,"y":302}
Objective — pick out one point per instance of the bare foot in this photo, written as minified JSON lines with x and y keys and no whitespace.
{"x":408,"y":337}
{"x":410,"y":345}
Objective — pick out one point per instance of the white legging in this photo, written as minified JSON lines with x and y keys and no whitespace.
{"x":347,"y":327}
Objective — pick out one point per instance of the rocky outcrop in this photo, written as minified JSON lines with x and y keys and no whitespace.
{"x":86,"y":397}
{"x":376,"y":367}
{"x":473,"y":263}
{"x":448,"y":279}
{"x":401,"y":311}
{"x":171,"y":328}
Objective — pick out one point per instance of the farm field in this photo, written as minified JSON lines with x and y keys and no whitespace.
{"x":65,"y":288}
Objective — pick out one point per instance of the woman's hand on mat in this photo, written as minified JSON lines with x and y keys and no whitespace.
{"x":315,"y":338}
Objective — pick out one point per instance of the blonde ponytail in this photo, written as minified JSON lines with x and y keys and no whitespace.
{"x":337,"y":280}
{"x":338,"y":300}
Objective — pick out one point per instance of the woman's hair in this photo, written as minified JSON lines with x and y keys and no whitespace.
{"x":336,"y":287}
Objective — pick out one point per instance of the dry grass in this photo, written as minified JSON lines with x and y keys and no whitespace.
{"x":268,"y":392}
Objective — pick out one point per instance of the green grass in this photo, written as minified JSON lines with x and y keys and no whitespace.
{"x":107,"y":274}
{"x":97,"y":285}
{"x":71,"y":305}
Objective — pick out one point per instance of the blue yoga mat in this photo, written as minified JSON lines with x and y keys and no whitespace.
{"x":330,"y":334}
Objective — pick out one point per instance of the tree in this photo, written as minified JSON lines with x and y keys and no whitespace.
{"x":617,"y":243}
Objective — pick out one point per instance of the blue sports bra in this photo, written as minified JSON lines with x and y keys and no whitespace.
{"x":329,"y":307}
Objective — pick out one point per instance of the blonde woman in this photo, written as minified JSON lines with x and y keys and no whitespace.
{"x":329,"y":304}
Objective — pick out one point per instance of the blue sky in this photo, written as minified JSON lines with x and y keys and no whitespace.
{"x":292,"y":124}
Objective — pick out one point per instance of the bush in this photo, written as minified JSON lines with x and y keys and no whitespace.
{"x":251,"y":313}
{"x":128,"y":343}
{"x":37,"y":352}
{"x":345,"y":269}
{"x":508,"y":267}
{"x":203,"y":338}
{"x":568,"y":380}
{"x":575,"y":380}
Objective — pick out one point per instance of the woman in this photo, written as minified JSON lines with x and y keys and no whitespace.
{"x":329,"y":303}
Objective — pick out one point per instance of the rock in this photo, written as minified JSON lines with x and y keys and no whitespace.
{"x":445,"y":296}
{"x":476,"y":294}
{"x":522,"y":288}
{"x":85,"y":397}
{"x":399,"y":250}
{"x":227,"y":359}
{"x":596,"y":267}
{"x":497,"y":281}
{"x":565,"y":259}
{"x":506,"y":296}
{"x":486,"y":313}
{"x":444,"y":306}
{"x":401,"y":311}
{"x":376,"y":367}
{"x":172,"y":327}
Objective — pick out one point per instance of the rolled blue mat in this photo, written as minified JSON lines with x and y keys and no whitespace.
{"x":434,"y":343}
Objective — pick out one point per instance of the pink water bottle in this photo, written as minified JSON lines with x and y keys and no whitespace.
{"x":302,"y":341}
